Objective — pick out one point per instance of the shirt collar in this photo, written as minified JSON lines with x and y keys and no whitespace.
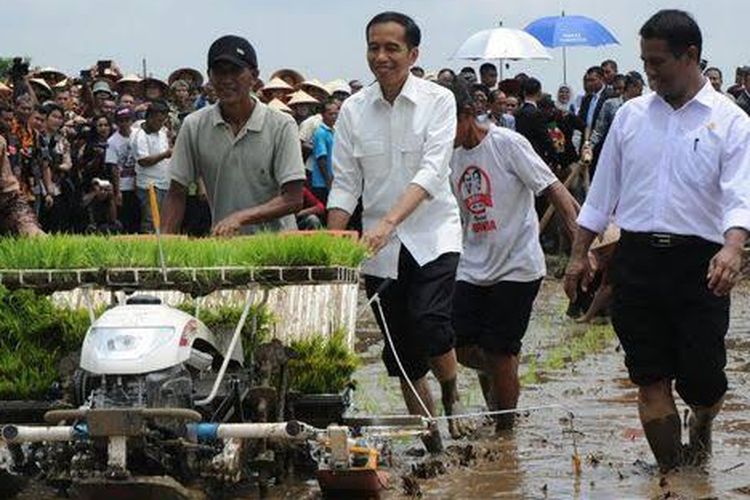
{"x":409,"y":90}
{"x":253,"y":124}
{"x":704,"y":97}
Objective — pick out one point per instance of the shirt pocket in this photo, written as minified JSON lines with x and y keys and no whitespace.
{"x":411,"y":153}
{"x":700,"y":158}
{"x":371,"y":156}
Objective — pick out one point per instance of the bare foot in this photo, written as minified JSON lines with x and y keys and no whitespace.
{"x":458,"y":427}
{"x":432,"y":441}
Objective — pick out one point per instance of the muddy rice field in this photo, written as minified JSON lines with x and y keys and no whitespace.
{"x":581,"y":369}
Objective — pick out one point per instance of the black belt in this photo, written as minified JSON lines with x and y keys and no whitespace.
{"x":661,"y":240}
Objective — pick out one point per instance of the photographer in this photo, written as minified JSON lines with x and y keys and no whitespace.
{"x":19,"y":75}
{"x":98,"y":179}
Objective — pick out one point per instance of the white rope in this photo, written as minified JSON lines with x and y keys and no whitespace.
{"x":502,"y":412}
{"x":376,"y":299}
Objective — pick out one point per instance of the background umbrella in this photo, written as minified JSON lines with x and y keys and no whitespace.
{"x":570,"y":31}
{"x":501,"y":43}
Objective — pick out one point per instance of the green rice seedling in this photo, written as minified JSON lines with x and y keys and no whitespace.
{"x":76,"y":252}
{"x":323,"y":366}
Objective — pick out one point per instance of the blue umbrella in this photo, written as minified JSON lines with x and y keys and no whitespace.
{"x":570,"y":31}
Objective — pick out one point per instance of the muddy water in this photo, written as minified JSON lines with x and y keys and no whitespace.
{"x":535,"y":461}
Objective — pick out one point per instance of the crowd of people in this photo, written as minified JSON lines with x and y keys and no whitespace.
{"x":85,"y":149}
{"x":447,"y":175}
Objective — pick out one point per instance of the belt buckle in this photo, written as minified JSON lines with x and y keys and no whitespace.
{"x":661,"y":240}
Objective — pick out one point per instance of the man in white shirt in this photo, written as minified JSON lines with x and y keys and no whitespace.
{"x":675,"y":172}
{"x":121,"y":159}
{"x":496,"y":175}
{"x":393,"y":145}
{"x":152,"y":154}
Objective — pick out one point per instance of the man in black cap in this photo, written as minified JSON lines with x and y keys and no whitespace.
{"x":247,"y":154}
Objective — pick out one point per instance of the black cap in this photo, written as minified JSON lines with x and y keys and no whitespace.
{"x":233,"y":49}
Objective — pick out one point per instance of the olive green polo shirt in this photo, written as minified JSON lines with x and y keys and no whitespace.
{"x":239,"y":171}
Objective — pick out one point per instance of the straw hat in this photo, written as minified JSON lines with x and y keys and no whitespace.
{"x":610,"y":236}
{"x":280,"y":106}
{"x":110,"y":74}
{"x":277,"y":83}
{"x":61,"y":85}
{"x":40,"y":84}
{"x":314,"y":86}
{"x":154,"y":81}
{"x":131,"y":78}
{"x":193,"y":77}
{"x":50,"y":75}
{"x":290,"y":76}
{"x":338,"y":86}
{"x":301,"y":97}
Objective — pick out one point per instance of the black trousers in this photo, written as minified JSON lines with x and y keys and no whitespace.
{"x":671,"y":326}
{"x":417,"y":308}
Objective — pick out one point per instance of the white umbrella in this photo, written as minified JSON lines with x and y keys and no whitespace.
{"x":501,"y":43}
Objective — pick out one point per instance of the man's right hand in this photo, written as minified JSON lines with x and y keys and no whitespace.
{"x":579,"y":271}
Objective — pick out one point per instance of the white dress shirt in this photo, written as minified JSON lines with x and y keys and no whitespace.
{"x":684,"y":171}
{"x":380,"y":149}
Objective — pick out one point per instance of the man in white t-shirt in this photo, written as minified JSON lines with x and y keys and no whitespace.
{"x":121,"y":159}
{"x":495,"y":176}
{"x":152,"y":153}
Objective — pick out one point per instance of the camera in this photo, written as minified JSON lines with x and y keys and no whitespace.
{"x":102,"y":183}
{"x":102,"y":66}
{"x":19,"y":69}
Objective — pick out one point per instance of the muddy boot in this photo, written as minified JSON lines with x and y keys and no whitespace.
{"x":700,"y":423}
{"x":663,"y":435}
{"x":432,"y":441}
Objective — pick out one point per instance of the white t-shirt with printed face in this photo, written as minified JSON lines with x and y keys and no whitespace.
{"x":120,"y":153}
{"x":495,"y":184}
{"x":145,"y":145}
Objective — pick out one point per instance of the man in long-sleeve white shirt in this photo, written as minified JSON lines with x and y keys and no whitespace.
{"x":393,"y":145}
{"x":675,"y":173}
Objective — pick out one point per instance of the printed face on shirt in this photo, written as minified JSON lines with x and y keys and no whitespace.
{"x":475,"y":191}
{"x":668,"y":75}
{"x":388,"y":54}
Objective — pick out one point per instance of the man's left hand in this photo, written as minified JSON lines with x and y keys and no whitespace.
{"x":228,"y":226}
{"x":724,"y":270}
{"x":377,"y":238}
